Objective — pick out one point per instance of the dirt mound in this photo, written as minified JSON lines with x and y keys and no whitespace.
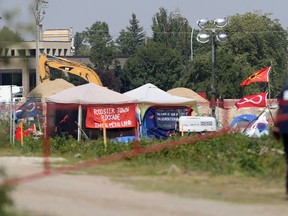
{"x":46,"y":89}
{"x":188,"y":93}
{"x":203,"y":104}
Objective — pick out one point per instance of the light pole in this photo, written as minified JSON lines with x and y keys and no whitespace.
{"x":210,"y":32}
{"x":39,"y":13}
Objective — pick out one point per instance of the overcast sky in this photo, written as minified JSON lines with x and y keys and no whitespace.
{"x":63,"y":14}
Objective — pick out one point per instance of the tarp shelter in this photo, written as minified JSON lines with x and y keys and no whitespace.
{"x":159,"y":110}
{"x":100,"y":106}
{"x":250,"y":124}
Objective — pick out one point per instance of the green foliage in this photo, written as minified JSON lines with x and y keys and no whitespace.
{"x":173,"y":31}
{"x":81,"y":48}
{"x":153,"y":63}
{"x":102,"y":49}
{"x":9,"y":37}
{"x":230,"y":154}
{"x":132,"y":38}
{"x":4,"y":133}
{"x":5,"y":199}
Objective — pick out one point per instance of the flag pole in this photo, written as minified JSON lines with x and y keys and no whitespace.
{"x":269,"y":92}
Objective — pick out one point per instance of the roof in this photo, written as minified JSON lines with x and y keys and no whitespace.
{"x":151,"y":94}
{"x":89,"y":94}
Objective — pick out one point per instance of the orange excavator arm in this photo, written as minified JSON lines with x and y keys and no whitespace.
{"x":66,"y":66}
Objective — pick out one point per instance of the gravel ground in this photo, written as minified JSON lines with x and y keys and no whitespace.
{"x":84,"y":195}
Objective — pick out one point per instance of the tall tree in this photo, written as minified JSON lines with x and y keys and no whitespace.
{"x":102,"y":51}
{"x":153,"y":63}
{"x":81,"y":46}
{"x":172,"y":30}
{"x":131,"y":38}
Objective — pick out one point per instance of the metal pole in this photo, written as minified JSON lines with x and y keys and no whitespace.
{"x":37,"y":55}
{"x":213,"y":91}
{"x":186,"y":47}
{"x":39,"y":16}
{"x":191,"y":42}
{"x":11,"y":116}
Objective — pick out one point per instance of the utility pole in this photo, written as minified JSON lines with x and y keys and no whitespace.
{"x":186,"y":47}
{"x":39,"y":13}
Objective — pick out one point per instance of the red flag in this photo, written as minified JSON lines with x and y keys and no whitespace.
{"x":258,"y":76}
{"x":256,"y":100}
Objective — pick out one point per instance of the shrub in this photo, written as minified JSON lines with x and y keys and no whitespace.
{"x":5,"y":199}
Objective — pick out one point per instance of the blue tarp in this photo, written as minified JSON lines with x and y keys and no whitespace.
{"x":245,"y":119}
{"x":159,"y":122}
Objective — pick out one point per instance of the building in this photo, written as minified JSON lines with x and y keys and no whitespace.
{"x":21,"y":69}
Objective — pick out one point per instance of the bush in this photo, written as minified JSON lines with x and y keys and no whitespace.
{"x":225,"y":155}
{"x":5,"y":200}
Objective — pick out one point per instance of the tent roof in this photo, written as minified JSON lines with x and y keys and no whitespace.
{"x":90,"y":94}
{"x":188,"y":93}
{"x":244,"y":117}
{"x":151,"y":94}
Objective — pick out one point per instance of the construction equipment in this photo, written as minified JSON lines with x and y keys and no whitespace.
{"x":67,"y":66}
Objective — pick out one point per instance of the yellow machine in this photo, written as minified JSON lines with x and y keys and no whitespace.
{"x":67,"y":66}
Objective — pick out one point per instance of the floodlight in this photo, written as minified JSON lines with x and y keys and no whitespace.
{"x":203,"y":37}
{"x":203,"y":23}
{"x":221,"y":37}
{"x":220,"y":22}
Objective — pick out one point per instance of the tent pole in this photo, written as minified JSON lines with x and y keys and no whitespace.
{"x":79,"y":123}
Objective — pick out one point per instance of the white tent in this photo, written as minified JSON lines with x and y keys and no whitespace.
{"x":151,"y":94}
{"x":88,"y":94}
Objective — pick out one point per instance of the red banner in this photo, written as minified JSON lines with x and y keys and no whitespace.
{"x":114,"y":116}
{"x":256,"y":100}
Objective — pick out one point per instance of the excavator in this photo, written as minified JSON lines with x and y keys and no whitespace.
{"x":67,"y":66}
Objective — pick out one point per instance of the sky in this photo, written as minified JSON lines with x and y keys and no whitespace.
{"x":78,"y":15}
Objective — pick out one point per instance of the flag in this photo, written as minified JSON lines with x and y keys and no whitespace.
{"x":258,"y":76}
{"x":28,"y":109}
{"x":256,"y":100}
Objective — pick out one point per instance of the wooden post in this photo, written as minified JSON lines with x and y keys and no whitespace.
{"x":104,"y":134}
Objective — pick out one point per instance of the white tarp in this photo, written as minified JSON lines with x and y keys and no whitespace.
{"x":151,"y":94}
{"x":90,"y":94}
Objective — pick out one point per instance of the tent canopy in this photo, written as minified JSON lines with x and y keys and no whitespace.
{"x":151,"y":94}
{"x":159,"y":110}
{"x":89,"y":94}
{"x":243,"y":120}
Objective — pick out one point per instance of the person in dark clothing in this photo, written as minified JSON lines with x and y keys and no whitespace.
{"x":281,"y":127}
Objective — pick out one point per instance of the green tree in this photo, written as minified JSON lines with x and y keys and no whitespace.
{"x":81,"y":47}
{"x":153,"y":63}
{"x":5,"y":199}
{"x":131,"y":38}
{"x":173,"y":31}
{"x":102,"y":51}
{"x":8,"y":38}
{"x":254,"y":42}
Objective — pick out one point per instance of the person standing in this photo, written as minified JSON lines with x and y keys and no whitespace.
{"x":280,"y":130}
